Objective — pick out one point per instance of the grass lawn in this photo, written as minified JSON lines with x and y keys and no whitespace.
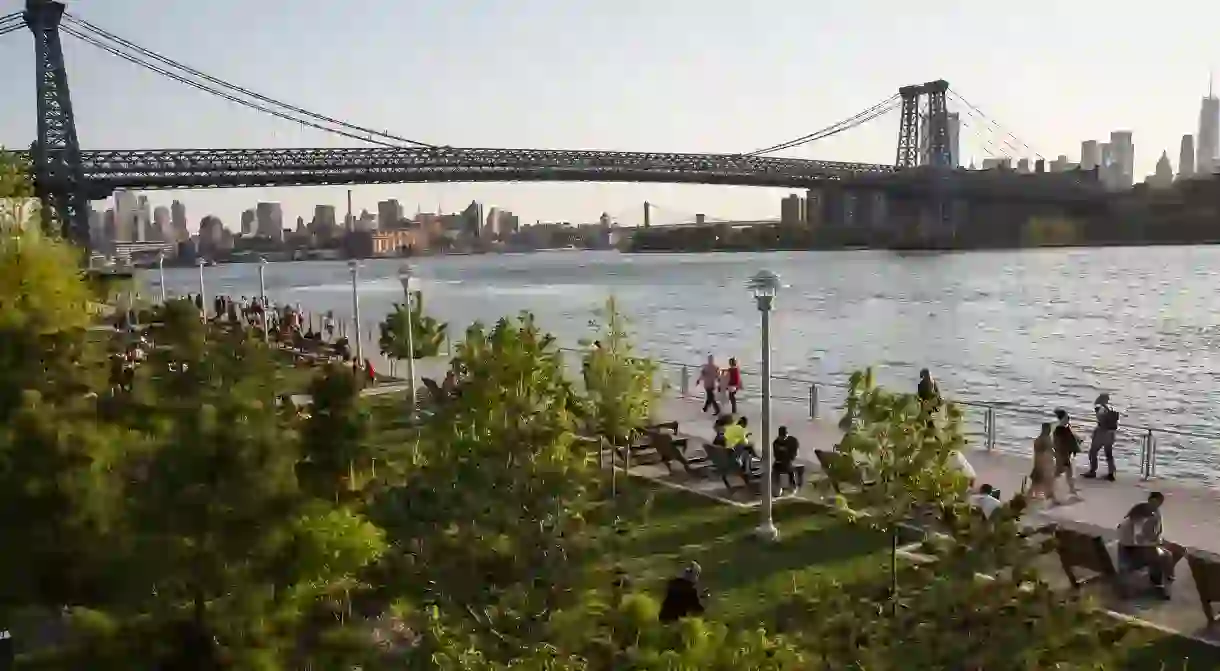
{"x":748,"y":578}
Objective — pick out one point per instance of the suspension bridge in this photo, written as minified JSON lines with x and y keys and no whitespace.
{"x":919,"y":184}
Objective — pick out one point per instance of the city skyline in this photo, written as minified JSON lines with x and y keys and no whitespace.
{"x":772,"y":73}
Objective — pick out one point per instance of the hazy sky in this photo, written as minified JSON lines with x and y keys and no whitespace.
{"x":683,"y":75}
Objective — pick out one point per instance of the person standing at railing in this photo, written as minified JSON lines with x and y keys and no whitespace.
{"x":1104,"y":435}
{"x":732,"y":384}
{"x":709,"y":377}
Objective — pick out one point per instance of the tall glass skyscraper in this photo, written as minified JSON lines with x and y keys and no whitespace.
{"x":1208,"y":146}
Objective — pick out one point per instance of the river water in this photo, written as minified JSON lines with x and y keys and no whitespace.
{"x":1026,"y":331}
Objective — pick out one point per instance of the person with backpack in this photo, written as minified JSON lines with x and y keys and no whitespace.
{"x":1103,"y":436}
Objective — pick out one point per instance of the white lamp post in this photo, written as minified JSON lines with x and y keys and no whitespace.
{"x":765,"y":284}
{"x":354,"y":267}
{"x":161,"y":274}
{"x":203,"y":296}
{"x":406,"y":275}
{"x":262,"y":295}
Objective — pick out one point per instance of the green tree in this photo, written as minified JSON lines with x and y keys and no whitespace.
{"x":427,"y":333}
{"x":494,"y":495}
{"x":336,"y":456}
{"x":621,"y":386}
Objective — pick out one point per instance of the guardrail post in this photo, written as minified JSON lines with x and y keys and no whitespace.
{"x":990,"y":428}
{"x":685,"y":380}
{"x":1144,"y":457}
{"x":1151,"y":438}
{"x":813,"y":401}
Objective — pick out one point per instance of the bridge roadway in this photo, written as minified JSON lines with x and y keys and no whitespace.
{"x":107,"y":170}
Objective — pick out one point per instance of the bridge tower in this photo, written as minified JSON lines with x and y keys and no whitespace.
{"x":58,"y":172}
{"x":934,"y":119}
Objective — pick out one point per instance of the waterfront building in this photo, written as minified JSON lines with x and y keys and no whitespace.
{"x":792,"y":210}
{"x":1060,"y":164}
{"x":144,"y":232}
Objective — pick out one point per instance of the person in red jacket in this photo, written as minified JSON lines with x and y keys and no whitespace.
{"x":733,"y":384}
{"x":368,"y":367}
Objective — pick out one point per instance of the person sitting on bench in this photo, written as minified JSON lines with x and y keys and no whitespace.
{"x":987,"y":501}
{"x":1140,"y":544}
{"x":683,"y":597}
{"x":785,"y":449}
{"x":737,"y":436}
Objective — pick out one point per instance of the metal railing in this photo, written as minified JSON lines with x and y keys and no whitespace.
{"x":983,"y":423}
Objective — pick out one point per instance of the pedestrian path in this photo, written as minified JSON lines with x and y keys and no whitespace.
{"x":1192,"y":514}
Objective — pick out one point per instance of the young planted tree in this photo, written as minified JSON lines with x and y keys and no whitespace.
{"x":620,"y":385}
{"x":904,"y":452}
{"x":427,"y":334}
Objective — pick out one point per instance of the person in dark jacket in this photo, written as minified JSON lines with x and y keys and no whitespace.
{"x":682,"y":595}
{"x":1066,"y":447}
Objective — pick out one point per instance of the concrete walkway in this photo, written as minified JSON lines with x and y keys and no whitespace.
{"x":1192,"y":514}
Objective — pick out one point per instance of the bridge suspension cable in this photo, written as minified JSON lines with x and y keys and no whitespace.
{"x":836,"y":128}
{"x":996,"y":125}
{"x":141,"y":56}
{"x":11,"y":22}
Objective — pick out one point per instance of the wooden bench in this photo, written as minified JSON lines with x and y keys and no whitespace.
{"x":727,"y":466}
{"x":829,"y":461}
{"x":1206,"y":572}
{"x":1079,"y":550}
{"x":668,"y":450}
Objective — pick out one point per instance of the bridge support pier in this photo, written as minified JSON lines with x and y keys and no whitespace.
{"x":58,"y":174}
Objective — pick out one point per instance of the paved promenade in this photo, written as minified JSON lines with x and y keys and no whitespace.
{"x":1192,"y":514}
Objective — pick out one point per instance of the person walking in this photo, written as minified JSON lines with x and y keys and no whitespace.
{"x":1067,"y":445}
{"x":709,"y":376}
{"x":732,"y":384}
{"x":1042,"y":475}
{"x":1104,"y":435}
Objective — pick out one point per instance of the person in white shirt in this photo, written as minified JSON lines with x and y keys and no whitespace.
{"x":958,"y":462}
{"x":1140,"y":544}
{"x":986,"y":501}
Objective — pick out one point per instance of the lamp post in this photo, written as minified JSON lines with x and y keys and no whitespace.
{"x":161,"y":274}
{"x":262,"y":295}
{"x":354,"y":267}
{"x":203,"y":295}
{"x":406,"y":275}
{"x":765,"y":284}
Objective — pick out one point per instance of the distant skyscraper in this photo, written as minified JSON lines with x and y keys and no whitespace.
{"x":108,"y":228}
{"x":177,"y":218}
{"x":162,"y":226}
{"x":126,"y":216}
{"x":1023,"y":166}
{"x":1090,"y":154}
{"x":389,"y":213}
{"x":324,"y":225}
{"x":1209,"y":134}
{"x":1164,"y":172}
{"x":1186,"y":157}
{"x":247,"y":222}
{"x":143,"y":219}
{"x":1122,"y":151}
{"x":1060,"y":164}
{"x":270,"y":220}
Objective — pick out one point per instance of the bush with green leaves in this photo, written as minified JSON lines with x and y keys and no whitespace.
{"x":427,"y":334}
